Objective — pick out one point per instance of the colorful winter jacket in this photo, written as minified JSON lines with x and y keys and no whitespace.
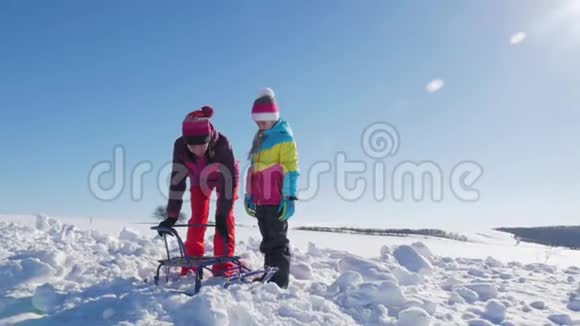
{"x":218,"y":169}
{"x":274,"y":172}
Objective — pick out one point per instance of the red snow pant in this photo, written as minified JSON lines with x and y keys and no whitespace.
{"x":194,"y":245}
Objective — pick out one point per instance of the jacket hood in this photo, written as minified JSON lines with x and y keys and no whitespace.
{"x":281,"y":126}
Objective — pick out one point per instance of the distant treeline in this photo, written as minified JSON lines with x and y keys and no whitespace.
{"x":386,"y":232}
{"x":557,"y":236}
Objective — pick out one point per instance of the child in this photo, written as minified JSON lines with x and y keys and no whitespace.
{"x":206,"y":157}
{"x":271,"y":184}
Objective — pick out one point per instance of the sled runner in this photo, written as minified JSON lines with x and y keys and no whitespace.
{"x":240,"y":273}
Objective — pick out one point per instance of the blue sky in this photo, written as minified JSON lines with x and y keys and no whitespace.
{"x":77,"y":79}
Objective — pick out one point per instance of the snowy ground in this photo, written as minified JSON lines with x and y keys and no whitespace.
{"x":56,"y":273}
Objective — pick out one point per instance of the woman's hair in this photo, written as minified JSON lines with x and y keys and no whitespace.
{"x":256,"y":143}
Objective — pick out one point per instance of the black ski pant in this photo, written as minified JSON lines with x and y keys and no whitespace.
{"x":275,"y":244}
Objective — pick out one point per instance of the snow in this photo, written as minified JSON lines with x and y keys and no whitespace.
{"x":561,"y":319}
{"x":408,"y":257}
{"x":540,"y":305}
{"x":414,"y":317}
{"x":346,"y":280}
{"x":574,"y":304}
{"x":492,"y":262}
{"x":45,"y":298}
{"x":68,"y":271}
{"x":479,"y":322}
{"x":405,"y":277}
{"x":455,"y":298}
{"x":495,"y":311}
{"x":485,"y":291}
{"x":572,"y":270}
{"x":423,"y":250}
{"x":467,"y":294}
{"x":301,"y":271}
{"x":369,"y":270}
{"x":366,"y":299}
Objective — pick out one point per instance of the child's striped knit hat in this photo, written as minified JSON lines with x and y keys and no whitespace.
{"x":265,"y":107}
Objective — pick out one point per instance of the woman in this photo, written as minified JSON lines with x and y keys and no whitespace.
{"x":206,"y":157}
{"x":271,"y":184}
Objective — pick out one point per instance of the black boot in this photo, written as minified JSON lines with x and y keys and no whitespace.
{"x":281,"y":260}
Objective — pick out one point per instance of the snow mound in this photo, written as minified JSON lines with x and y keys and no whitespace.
{"x":423,"y":250}
{"x":540,"y":268}
{"x":385,"y":293}
{"x":313,"y":250}
{"x":455,"y":298}
{"x":495,"y":311}
{"x":492,"y":262}
{"x":301,"y":271}
{"x":468,"y":295}
{"x":561,"y":319}
{"x":108,"y":313}
{"x":346,"y":280}
{"x":409,"y":258}
{"x":128,"y":234}
{"x":485,"y":291}
{"x":45,"y":223}
{"x":46,"y":299}
{"x":526,"y":308}
{"x":479,"y":322}
{"x":368,"y":303}
{"x":477,"y":272}
{"x":539,"y":305}
{"x":424,"y":304}
{"x":450,"y":283}
{"x":572,"y":270}
{"x":385,"y":252}
{"x":414,"y":317}
{"x":369,"y":270}
{"x":405,"y":277}
{"x":574,"y":303}
{"x":505,"y":276}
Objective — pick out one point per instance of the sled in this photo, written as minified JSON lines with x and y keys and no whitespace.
{"x":240,"y":273}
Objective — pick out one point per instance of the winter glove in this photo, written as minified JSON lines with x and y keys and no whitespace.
{"x":286,"y":208}
{"x":168,"y":222}
{"x":249,"y":205}
{"x":221,"y":226}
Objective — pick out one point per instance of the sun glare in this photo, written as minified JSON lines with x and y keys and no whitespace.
{"x":564,"y":21}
